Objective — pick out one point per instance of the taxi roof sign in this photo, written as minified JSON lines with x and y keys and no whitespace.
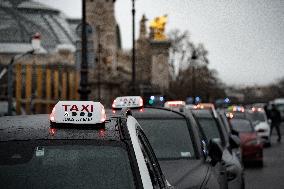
{"x":78,"y":112}
{"x":127,"y":102}
{"x":174,"y":103}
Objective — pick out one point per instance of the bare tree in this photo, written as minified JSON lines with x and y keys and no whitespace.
{"x":191,"y":75}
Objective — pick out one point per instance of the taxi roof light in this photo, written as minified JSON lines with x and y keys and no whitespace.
{"x":174,"y":103}
{"x":205,"y":106}
{"x":52,"y":116}
{"x":78,"y":112}
{"x":128,"y":102}
{"x":141,"y":102}
{"x":103,"y":113}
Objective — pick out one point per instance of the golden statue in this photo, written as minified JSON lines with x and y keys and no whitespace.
{"x":157,"y":27}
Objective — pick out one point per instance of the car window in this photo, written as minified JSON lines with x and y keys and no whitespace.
{"x":64,"y":165}
{"x":256,"y":116}
{"x":170,"y":138}
{"x":239,"y":115}
{"x":241,"y":125}
{"x":209,"y":127}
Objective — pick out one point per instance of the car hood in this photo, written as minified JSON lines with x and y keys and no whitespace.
{"x":245,"y":137}
{"x":185,"y":173}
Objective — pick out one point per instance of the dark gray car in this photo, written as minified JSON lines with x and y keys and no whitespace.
{"x":212,"y":128}
{"x":182,"y":155}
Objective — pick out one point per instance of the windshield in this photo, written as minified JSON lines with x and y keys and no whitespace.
{"x":256,"y":116}
{"x":209,"y":127}
{"x":280,"y":107}
{"x":61,"y":165}
{"x":239,"y":115}
{"x":170,"y":138}
{"x":241,"y":125}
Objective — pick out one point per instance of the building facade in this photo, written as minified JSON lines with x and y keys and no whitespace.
{"x":109,"y":72}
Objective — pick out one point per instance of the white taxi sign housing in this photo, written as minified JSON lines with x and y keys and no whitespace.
{"x":78,"y":112}
{"x":127,"y":102}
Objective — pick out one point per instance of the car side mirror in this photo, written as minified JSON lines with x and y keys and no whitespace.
{"x":234,"y":132}
{"x":234,"y":141}
{"x":215,"y":151}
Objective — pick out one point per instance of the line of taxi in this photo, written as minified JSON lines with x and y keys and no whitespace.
{"x":174,"y":143}
{"x":83,"y":145}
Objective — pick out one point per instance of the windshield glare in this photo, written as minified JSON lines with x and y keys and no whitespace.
{"x":170,"y":138}
{"x":64,"y":166}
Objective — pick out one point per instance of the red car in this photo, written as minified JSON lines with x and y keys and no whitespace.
{"x":251,"y":145}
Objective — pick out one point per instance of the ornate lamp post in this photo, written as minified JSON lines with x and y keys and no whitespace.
{"x":84,"y":91}
{"x":35,"y":47}
{"x":133,"y":49}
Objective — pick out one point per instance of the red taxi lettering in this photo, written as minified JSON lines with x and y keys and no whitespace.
{"x":65,"y":107}
{"x":85,"y":108}
{"x":74,"y":108}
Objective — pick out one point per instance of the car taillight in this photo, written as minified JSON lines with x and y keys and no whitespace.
{"x":52,"y":131}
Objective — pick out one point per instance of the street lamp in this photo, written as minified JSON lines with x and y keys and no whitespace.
{"x":194,"y":57}
{"x":84,"y":91}
{"x":35,"y":47}
{"x":99,"y":63}
{"x":133,"y":49}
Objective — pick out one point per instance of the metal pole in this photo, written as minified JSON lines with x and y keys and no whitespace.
{"x":84,"y":91}
{"x":11,"y":79}
{"x":99,"y":63}
{"x":193,"y":84}
{"x":133,"y":48}
{"x":10,"y":86}
{"x":194,"y":58}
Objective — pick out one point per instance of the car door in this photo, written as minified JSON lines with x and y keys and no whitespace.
{"x":156,"y":175}
{"x":219,"y":169}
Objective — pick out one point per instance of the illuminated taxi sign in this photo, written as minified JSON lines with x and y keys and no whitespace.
{"x":255,"y":109}
{"x":78,"y":112}
{"x":127,"y":102}
{"x":174,"y":103}
{"x":205,"y":106}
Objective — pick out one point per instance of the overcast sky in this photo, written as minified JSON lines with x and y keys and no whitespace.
{"x":245,"y":38}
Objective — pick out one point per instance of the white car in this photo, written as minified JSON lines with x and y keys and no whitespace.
{"x":260,"y":123}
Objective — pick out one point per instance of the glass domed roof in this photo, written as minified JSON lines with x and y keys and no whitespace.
{"x":21,"y":19}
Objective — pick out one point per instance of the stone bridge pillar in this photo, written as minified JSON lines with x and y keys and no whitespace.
{"x":160,"y":73}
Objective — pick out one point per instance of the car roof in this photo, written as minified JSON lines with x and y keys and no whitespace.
{"x":202,"y":113}
{"x":156,"y":112}
{"x":33,"y":127}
